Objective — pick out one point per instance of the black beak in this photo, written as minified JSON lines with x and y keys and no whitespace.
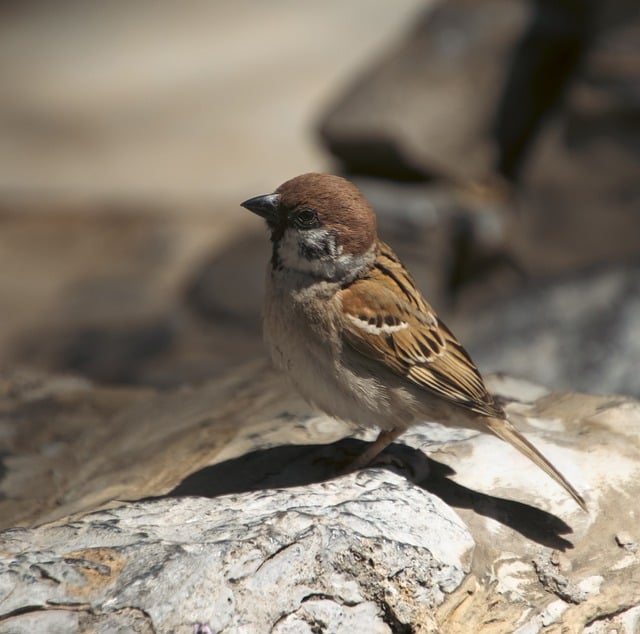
{"x":266,"y":206}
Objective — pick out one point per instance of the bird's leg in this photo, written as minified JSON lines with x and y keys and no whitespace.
{"x":384,"y":439}
{"x":414,"y":464}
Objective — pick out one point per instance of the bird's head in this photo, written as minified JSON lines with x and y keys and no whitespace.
{"x":320,"y":224}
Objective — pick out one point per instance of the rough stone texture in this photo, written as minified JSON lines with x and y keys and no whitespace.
{"x":327,"y":557}
{"x":553,"y":577}
{"x":268,"y":494}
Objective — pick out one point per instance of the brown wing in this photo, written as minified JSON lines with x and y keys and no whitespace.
{"x":387,"y":320}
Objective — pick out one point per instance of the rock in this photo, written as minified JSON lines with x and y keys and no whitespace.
{"x":579,"y":333}
{"x":424,"y":109}
{"x":249,"y":520}
{"x":70,"y":446}
{"x":329,"y":556}
{"x":111,"y":281}
{"x":472,"y":82}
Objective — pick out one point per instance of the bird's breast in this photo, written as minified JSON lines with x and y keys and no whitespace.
{"x":300,"y":327}
{"x":302,"y":330}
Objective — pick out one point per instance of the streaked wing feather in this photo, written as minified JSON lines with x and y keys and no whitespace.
{"x":388,"y":321}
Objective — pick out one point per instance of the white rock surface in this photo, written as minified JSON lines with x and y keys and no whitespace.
{"x":368,"y":553}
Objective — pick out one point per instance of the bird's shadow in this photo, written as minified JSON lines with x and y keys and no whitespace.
{"x":298,"y":465}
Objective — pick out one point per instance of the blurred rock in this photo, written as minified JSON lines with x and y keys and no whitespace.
{"x":138,"y":298}
{"x":579,"y":333}
{"x":426,"y":109}
{"x":449,"y":237}
{"x":229,"y":286}
{"x":423,"y":110}
{"x":99,"y":290}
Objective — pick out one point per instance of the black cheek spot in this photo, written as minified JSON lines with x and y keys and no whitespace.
{"x":307,"y":251}
{"x":317,"y":250}
{"x":390,"y":320}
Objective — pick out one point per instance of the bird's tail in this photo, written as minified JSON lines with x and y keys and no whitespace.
{"x":505,"y":430}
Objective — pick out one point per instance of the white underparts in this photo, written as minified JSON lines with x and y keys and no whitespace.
{"x":373,"y":329}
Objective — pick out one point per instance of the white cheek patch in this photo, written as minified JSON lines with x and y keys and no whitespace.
{"x":291,"y":252}
{"x":374,"y":329}
{"x":315,"y":252}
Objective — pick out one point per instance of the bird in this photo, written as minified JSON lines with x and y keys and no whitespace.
{"x":345,"y":320}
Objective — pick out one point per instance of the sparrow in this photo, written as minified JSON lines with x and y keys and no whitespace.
{"x":344,"y":319}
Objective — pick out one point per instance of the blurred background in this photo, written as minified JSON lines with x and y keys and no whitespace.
{"x":499,"y":142}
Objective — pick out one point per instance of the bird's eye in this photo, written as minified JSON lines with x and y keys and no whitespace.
{"x":306,"y":218}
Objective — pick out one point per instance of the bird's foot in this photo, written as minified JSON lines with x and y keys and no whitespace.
{"x":401,"y":459}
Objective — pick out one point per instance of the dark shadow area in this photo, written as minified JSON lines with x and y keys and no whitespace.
{"x":299,"y":465}
{"x":535,"y":524}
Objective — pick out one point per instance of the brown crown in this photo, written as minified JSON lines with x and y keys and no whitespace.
{"x":340,"y":205}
